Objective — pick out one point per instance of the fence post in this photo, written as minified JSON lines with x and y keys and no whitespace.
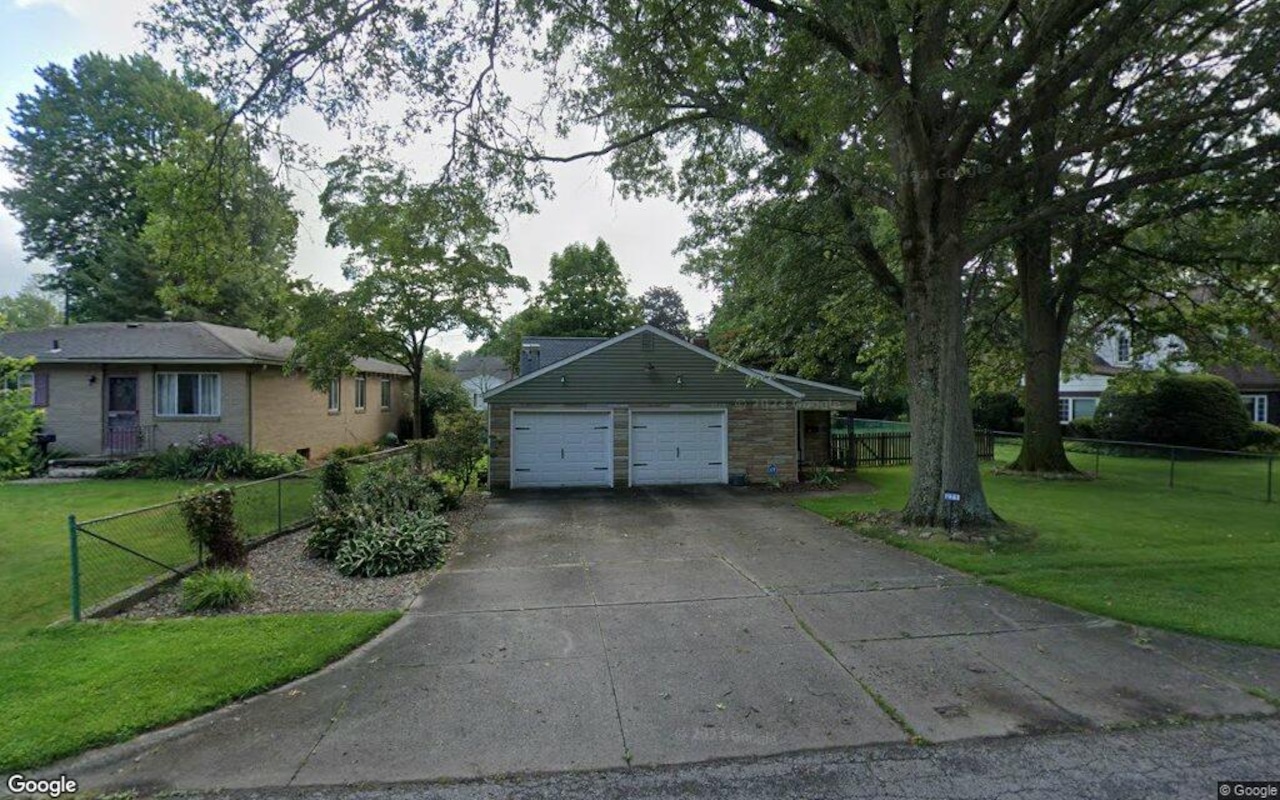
{"x":75,"y":568}
{"x":279,"y":506}
{"x":1173,"y":459}
{"x":1270,"y":463}
{"x":1097,"y":461}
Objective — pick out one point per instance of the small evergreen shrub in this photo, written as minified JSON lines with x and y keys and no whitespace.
{"x":210,"y":518}
{"x":216,"y":589}
{"x":335,"y":481}
{"x":389,"y":439}
{"x":1174,"y":409}
{"x":345,"y":451}
{"x":1082,"y":428}
{"x":408,"y":542}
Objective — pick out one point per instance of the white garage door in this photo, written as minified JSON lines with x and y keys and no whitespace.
{"x":677,"y":447}
{"x":561,"y":448}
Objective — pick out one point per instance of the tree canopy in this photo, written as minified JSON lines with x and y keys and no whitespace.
{"x":118,"y":187}
{"x":663,"y":307}
{"x":423,"y":261}
{"x":28,"y":309}
{"x":926,"y":116}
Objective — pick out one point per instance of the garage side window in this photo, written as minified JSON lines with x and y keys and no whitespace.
{"x":360,"y":393}
{"x":384,"y":392}
{"x":188,"y":394}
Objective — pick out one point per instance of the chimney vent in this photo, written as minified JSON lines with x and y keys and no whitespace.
{"x":530,"y":358}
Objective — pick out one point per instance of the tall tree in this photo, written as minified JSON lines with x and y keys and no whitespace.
{"x":220,"y":231}
{"x":81,"y":141}
{"x":910,"y":110}
{"x":28,"y":309}
{"x":585,"y":294}
{"x":423,"y":261}
{"x":663,"y":307}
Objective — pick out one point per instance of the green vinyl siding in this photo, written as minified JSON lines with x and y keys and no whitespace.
{"x":620,"y":373}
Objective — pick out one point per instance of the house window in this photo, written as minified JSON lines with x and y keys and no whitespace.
{"x":1124,"y":348}
{"x":1074,"y":408}
{"x":384,"y":390}
{"x":1256,"y":406}
{"x":335,"y":395}
{"x":360,"y":392}
{"x":188,"y":394}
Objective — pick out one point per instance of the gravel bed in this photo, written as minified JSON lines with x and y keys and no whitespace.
{"x":286,"y":579}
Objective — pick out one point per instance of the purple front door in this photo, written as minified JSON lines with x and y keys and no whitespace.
{"x":124,"y":435}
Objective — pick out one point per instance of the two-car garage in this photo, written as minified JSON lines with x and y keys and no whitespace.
{"x":576,"y":447}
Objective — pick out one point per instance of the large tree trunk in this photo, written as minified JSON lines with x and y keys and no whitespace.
{"x":1044,"y":325}
{"x":944,"y":456}
{"x":1042,"y":341}
{"x":416,"y":377}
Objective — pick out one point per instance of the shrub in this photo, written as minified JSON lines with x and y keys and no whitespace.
{"x":335,"y":481}
{"x":210,"y":518}
{"x":389,"y":439}
{"x":261,"y":464}
{"x":393,"y":486}
{"x":334,"y":526}
{"x":1082,"y":428}
{"x":215,"y":589}
{"x":133,"y":468}
{"x":460,"y":442}
{"x":345,"y":451}
{"x":998,"y":411}
{"x":1263,"y":438}
{"x":1173,"y":409}
{"x":406,"y":543}
{"x":217,"y":458}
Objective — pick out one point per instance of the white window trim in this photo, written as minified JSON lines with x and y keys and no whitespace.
{"x":1128,"y":340}
{"x":176,"y":414}
{"x":335,"y":396}
{"x":1256,"y":404}
{"x":362,"y":393}
{"x":1071,"y":408}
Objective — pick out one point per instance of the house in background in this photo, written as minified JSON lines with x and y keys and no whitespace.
{"x":649,"y":408}
{"x":117,"y":389}
{"x":1078,"y":394}
{"x":481,"y":374}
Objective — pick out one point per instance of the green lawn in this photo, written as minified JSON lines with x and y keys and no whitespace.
{"x":1191,"y":559}
{"x":33,"y":539}
{"x":74,"y":687}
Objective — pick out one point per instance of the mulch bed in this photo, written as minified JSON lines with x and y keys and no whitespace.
{"x":286,"y":579}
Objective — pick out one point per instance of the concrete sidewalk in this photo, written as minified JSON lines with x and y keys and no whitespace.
{"x":590,"y":630}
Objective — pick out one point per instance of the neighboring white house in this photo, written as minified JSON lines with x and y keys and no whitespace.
{"x":1078,"y":394}
{"x":480,"y":374}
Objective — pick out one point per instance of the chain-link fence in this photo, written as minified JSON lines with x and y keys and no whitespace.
{"x":114,"y":557}
{"x":1228,"y":472}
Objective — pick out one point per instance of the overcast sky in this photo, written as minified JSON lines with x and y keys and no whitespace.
{"x":642,"y":234}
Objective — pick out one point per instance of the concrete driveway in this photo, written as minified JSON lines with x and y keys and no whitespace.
{"x":582,"y":630}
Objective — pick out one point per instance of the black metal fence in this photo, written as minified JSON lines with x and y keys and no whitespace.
{"x":1228,"y":472}
{"x":115,"y":556}
{"x":886,"y":448}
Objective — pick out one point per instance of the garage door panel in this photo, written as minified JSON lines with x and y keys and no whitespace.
{"x":672,"y":447}
{"x":561,"y":448}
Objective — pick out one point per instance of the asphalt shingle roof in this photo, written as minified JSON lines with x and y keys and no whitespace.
{"x":135,"y":342}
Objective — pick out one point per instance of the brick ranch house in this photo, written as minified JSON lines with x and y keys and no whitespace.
{"x":649,"y":408}
{"x":117,"y":389}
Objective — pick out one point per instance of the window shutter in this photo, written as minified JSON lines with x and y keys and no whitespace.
{"x":40,"y":390}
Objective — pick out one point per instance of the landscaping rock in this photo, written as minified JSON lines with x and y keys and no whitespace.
{"x":287,"y":580}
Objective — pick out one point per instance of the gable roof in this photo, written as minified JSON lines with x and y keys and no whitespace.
{"x":169,"y":342}
{"x":557,"y":348}
{"x":796,"y":388}
{"x":472,"y":366}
